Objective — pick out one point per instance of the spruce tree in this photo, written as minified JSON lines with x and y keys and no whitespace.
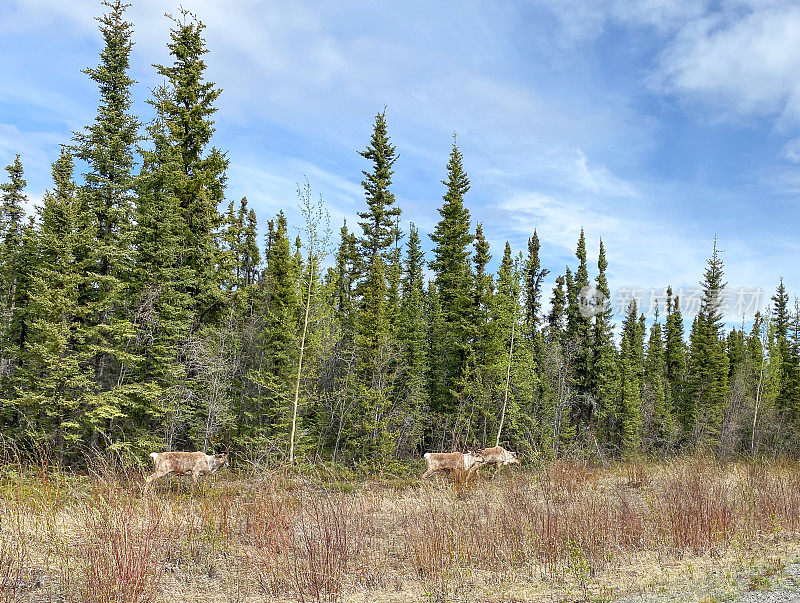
{"x":412,"y":334}
{"x":379,"y":223}
{"x":249,"y":253}
{"x":661,"y":427}
{"x":278,"y":337}
{"x":58,"y":371}
{"x":453,"y":278}
{"x":106,"y":198}
{"x":379,"y":227}
{"x":230,"y":243}
{"x":792,"y":409}
{"x":394,"y":277}
{"x":505,"y":316}
{"x":12,"y":212}
{"x":604,"y":382}
{"x":107,"y":147}
{"x":373,"y":325}
{"x":163,"y":305}
{"x":631,"y":355}
{"x":675,"y":359}
{"x":708,"y":363}
{"x":13,"y":290}
{"x":345,"y":274}
{"x":789,"y":371}
{"x":534,"y":274}
{"x":26,"y":264}
{"x":558,"y":304}
{"x":579,"y":329}
{"x":185,"y":105}
{"x":482,"y":291}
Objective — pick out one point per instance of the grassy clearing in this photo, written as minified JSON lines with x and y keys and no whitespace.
{"x":565,"y":531}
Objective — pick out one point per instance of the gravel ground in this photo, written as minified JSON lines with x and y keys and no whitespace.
{"x":788,"y":589}
{"x":780,"y":588}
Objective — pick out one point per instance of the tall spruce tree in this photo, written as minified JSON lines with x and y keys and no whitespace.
{"x":13,"y":273}
{"x":373,"y":325}
{"x":579,"y":330}
{"x":412,"y":333}
{"x":379,"y":227}
{"x":604,"y":381}
{"x":477,"y":379}
{"x":451,"y":265}
{"x":782,"y":319}
{"x":675,"y":359}
{"x":506,"y":315}
{"x":162,"y":285}
{"x":558,"y":304}
{"x":534,"y":274}
{"x":482,"y":291}
{"x":792,"y":408}
{"x":107,"y":147}
{"x":631,"y":359}
{"x":345,"y":274}
{"x":278,"y":336}
{"x":660,"y":428}
{"x":185,"y":105}
{"x":708,"y":363}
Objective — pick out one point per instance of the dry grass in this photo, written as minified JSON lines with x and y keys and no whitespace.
{"x":563,"y":531}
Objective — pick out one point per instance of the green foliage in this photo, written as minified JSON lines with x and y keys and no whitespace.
{"x":660,"y":428}
{"x":579,"y":331}
{"x":604,"y":373}
{"x":184,"y":107}
{"x":453,"y":279}
{"x":675,"y":360}
{"x":17,"y":265}
{"x":377,"y":349}
{"x":534,"y":274}
{"x":708,"y":363}
{"x":135,"y":316}
{"x":630,"y":370}
{"x":106,"y":325}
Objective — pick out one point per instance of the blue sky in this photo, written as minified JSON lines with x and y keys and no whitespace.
{"x":654,"y":124}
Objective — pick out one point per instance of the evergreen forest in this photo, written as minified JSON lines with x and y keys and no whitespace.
{"x":142,"y":310}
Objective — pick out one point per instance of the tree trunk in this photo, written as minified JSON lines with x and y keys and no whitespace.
{"x":508,"y":376}
{"x":300,"y":361}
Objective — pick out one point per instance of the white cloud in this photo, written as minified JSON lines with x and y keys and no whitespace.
{"x":269,"y":189}
{"x":740,"y":56}
{"x":600,"y":180}
{"x":34,"y":148}
{"x":640,"y":252}
{"x":782,"y":179}
{"x":644,"y":257}
{"x":791,"y":150}
{"x":743,"y":59}
{"x":585,"y":20}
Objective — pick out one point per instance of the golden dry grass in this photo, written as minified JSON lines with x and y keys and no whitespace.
{"x":564,"y":531}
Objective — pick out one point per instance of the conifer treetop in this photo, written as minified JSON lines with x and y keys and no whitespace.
{"x":379,"y":222}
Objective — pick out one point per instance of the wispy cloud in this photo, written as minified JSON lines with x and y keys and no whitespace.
{"x":791,"y":150}
{"x":744,"y":59}
{"x":35,"y":150}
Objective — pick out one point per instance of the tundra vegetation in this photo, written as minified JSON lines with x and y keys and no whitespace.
{"x":139,"y":312}
{"x":691,"y":528}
